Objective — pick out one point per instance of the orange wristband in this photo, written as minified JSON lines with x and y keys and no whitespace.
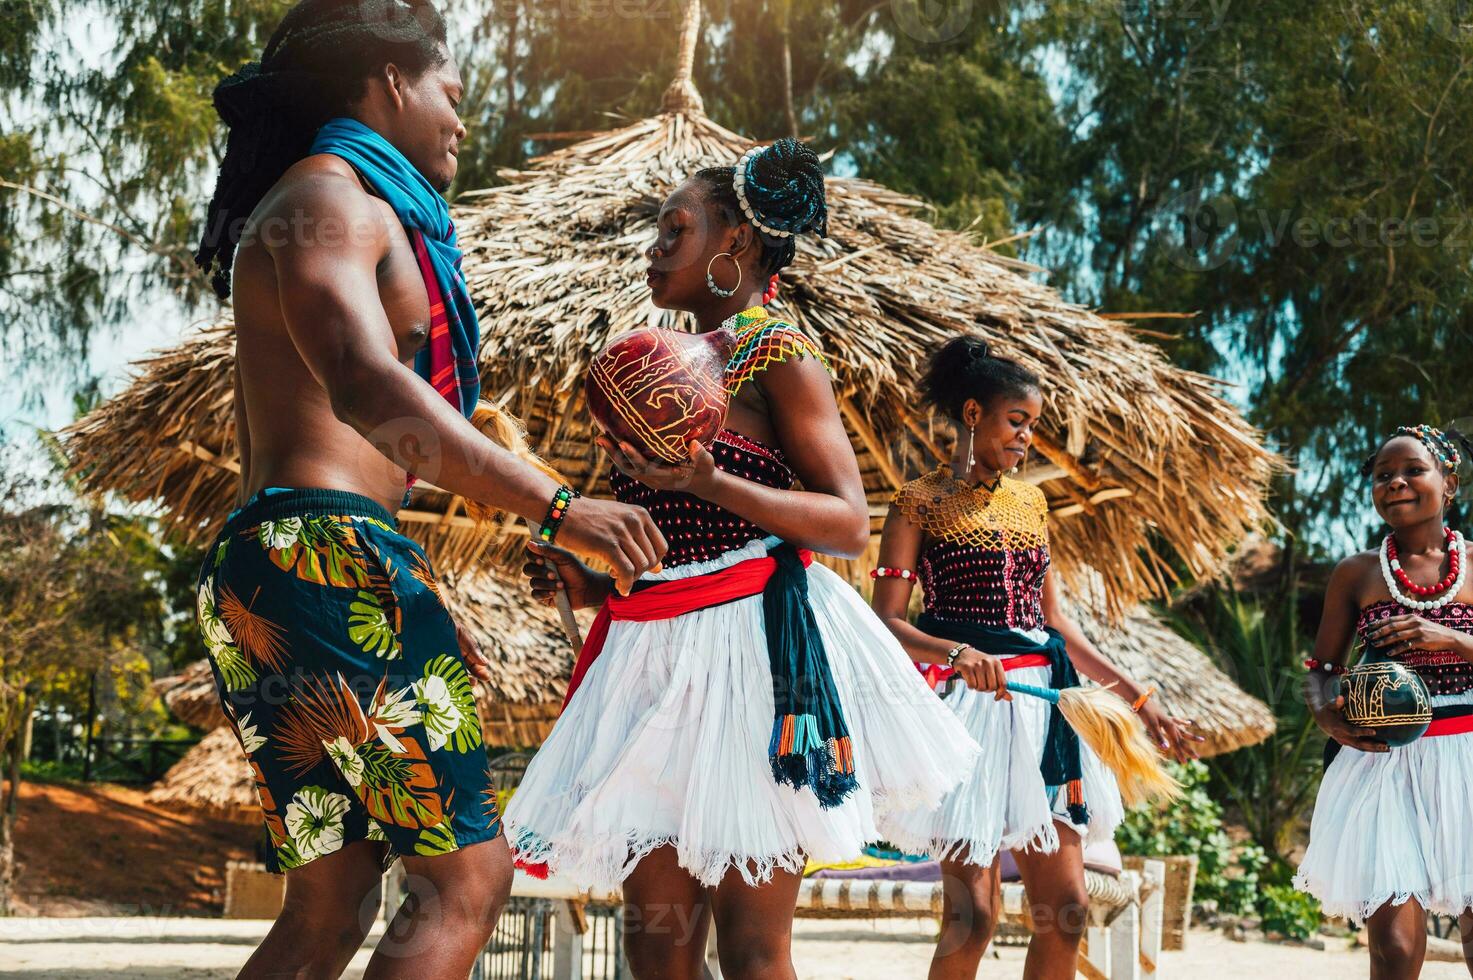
{"x":1140,"y":702}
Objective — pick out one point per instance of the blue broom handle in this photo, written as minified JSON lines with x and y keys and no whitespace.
{"x":1047,"y":693}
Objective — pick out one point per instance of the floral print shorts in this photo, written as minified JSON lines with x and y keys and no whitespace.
{"x":338,"y":667}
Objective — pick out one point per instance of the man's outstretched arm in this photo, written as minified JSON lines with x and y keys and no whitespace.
{"x":329,"y":298}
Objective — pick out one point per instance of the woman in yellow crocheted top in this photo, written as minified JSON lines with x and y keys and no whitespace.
{"x":977,"y":541}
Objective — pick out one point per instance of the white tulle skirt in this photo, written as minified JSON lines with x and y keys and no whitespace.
{"x":665,"y":742}
{"x":1392,"y":826}
{"x":1003,"y":804}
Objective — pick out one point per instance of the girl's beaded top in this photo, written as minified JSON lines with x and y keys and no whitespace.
{"x":696,"y":529}
{"x":763,"y":340}
{"x":985,"y":553}
{"x":1444,"y":671}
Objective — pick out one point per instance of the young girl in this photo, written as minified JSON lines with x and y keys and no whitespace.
{"x":977,"y":541}
{"x":1389,"y":839}
{"x":757,"y":715}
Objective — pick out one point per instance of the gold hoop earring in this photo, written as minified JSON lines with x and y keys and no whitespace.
{"x":711,"y":281}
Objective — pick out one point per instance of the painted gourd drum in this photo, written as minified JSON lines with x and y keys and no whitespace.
{"x":1388,"y":697}
{"x":659,"y":389}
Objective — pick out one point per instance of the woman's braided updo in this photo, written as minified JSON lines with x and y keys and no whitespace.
{"x":313,"y":69}
{"x":784,"y":187}
{"x":965,"y":368}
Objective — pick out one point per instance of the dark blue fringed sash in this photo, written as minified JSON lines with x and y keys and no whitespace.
{"x":810,"y":743}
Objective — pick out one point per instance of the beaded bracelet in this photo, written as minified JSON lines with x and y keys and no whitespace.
{"x":1324,"y":665}
{"x":883,"y":572}
{"x":557,"y":511}
{"x":953,"y":653}
{"x":1140,"y":702}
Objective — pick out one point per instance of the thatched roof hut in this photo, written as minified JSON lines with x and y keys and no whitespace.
{"x":1143,"y":463}
{"x":1141,"y":460}
{"x":212,"y":777}
{"x":190,"y":695}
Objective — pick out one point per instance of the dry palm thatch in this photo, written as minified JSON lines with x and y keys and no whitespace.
{"x":213,"y":777}
{"x":191,"y":696}
{"x":1140,"y":459}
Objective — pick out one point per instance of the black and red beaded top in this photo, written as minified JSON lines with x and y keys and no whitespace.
{"x":696,"y":529}
{"x":1444,"y":671}
{"x":985,"y":552}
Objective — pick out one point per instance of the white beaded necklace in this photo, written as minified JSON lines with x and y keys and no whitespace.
{"x":1423,"y":605}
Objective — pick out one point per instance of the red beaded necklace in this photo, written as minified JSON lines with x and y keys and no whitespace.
{"x":1424,"y":590}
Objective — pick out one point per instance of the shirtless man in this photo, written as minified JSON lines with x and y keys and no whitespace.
{"x":336,"y":661}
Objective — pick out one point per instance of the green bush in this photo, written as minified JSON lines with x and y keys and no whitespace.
{"x":1288,"y":911}
{"x":1227,"y":876}
{"x":1260,"y":645}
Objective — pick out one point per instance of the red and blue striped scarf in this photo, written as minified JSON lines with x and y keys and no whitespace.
{"x":448,"y":361}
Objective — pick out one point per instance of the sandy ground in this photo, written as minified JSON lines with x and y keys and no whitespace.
{"x":836,"y":949}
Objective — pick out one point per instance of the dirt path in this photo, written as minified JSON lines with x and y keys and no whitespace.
{"x":836,"y":949}
{"x":94,"y":848}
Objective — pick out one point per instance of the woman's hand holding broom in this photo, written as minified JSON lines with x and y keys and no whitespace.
{"x":982,"y":672}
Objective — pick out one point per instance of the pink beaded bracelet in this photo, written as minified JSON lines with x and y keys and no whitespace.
{"x":904,"y":573}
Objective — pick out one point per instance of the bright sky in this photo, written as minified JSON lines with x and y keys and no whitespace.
{"x":155,"y":320}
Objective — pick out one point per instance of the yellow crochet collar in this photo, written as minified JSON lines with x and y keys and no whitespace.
{"x":1012,"y":517}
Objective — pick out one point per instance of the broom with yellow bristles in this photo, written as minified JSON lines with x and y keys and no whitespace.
{"x":1114,"y":732}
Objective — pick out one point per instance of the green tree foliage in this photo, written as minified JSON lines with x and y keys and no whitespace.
{"x":1271,"y":786}
{"x":1227,"y":873}
{"x":107,"y":142}
{"x":80,"y":598}
{"x":965,"y":122}
{"x":1296,"y":173}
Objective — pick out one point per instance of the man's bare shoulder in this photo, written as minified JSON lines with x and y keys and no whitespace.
{"x":320,"y":200}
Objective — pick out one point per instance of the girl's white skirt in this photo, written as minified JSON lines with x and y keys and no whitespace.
{"x":1003,"y":804}
{"x":1392,"y":826}
{"x":666,"y":742}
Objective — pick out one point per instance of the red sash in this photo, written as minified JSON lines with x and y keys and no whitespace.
{"x":1456,"y":725}
{"x":938,"y":674}
{"x":666,"y":600}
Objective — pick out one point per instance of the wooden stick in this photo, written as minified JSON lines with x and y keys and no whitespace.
{"x":565,"y":610}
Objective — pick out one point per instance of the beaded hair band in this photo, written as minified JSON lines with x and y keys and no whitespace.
{"x":1440,"y":445}
{"x":739,"y":183}
{"x":1437,"y":443}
